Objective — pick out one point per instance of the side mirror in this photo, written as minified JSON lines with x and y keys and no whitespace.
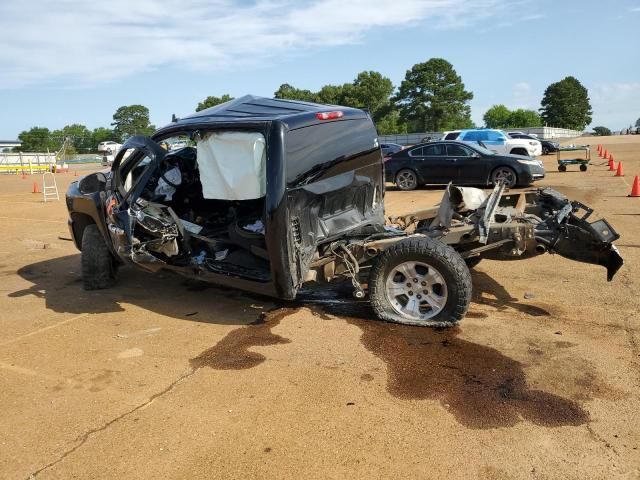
{"x":92,"y":183}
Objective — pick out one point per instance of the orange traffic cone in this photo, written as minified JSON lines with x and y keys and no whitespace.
{"x":612,"y":165}
{"x":635,"y":190}
{"x":619,"y":172}
{"x":35,"y":188}
{"x":606,"y":154}
{"x":599,"y":150}
{"x":611,"y":157}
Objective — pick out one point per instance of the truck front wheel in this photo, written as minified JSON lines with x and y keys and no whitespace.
{"x":98,"y":269}
{"x":420,"y":281}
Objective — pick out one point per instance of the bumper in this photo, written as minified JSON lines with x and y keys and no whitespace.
{"x":535,"y":151}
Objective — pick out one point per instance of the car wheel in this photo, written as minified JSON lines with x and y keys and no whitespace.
{"x":98,"y":269}
{"x":420,"y":281}
{"x":406,"y":180}
{"x":505,"y":175}
{"x":545,"y":151}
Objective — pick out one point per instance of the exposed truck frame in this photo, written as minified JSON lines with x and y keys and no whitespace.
{"x":323,"y":216}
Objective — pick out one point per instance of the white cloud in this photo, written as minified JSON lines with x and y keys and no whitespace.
{"x":615,"y":105}
{"x":80,"y":42}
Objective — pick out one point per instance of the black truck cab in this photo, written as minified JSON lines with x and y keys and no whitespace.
{"x":319,"y":178}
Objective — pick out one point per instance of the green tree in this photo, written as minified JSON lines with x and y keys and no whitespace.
{"x":79,"y":136}
{"x":131,"y":120}
{"x":638,"y":122}
{"x":524,"y":118}
{"x":331,"y":94}
{"x":602,"y":131}
{"x":566,"y":104}
{"x":213,"y":101}
{"x":497,"y":117}
{"x":37,"y":139}
{"x":373,"y":91}
{"x":101,"y":134}
{"x":288,"y":92}
{"x":432,"y":97}
{"x":500,"y":116}
{"x":391,"y":124}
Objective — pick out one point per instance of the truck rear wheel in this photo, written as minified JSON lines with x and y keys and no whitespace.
{"x":98,"y":269}
{"x":420,"y":281}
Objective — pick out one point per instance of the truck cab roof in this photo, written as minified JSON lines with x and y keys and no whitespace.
{"x":254,"y":109}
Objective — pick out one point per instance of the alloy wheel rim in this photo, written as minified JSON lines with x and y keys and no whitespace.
{"x":506,"y":176}
{"x":406,"y":180}
{"x":416,"y":290}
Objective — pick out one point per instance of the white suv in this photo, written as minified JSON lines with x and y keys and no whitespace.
{"x":109,"y":146}
{"x":496,"y":141}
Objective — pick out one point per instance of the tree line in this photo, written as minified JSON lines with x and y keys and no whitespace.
{"x":76,"y":138}
{"x":431,"y":97}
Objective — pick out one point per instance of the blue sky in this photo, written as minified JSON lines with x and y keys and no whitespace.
{"x":73,"y":61}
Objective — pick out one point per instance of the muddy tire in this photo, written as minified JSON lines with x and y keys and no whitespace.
{"x":406,"y":179}
{"x":98,"y":269}
{"x":420,"y":281}
{"x":472,"y":262}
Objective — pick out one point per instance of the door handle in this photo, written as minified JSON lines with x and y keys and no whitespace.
{"x":453,"y":160}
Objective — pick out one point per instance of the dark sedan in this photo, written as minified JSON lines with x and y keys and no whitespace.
{"x":390,"y":148}
{"x":547,"y":145}
{"x":450,"y":161}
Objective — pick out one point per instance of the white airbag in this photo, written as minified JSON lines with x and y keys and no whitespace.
{"x":232,"y":165}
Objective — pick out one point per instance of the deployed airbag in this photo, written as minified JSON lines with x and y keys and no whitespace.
{"x":232,"y":165}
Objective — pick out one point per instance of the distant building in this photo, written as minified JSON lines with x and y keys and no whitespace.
{"x":8,"y":144}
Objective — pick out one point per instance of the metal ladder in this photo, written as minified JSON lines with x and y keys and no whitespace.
{"x":50,"y":191}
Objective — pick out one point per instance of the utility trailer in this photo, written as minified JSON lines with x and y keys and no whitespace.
{"x":271,"y":194}
{"x":582,"y":162}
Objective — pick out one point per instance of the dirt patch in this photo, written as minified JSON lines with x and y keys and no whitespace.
{"x":232,"y":352}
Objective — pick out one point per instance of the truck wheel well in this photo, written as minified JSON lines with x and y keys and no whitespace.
{"x":80,"y":222}
{"x":519,"y":151}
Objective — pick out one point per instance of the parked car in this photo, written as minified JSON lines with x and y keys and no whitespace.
{"x":463,"y":164}
{"x":109,"y":146}
{"x":280,"y":193}
{"x":390,"y":148}
{"x":547,"y":145}
{"x":451,"y":135}
{"x":499,"y":142}
{"x":107,"y":159}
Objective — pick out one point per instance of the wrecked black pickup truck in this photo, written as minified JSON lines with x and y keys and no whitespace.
{"x":270,"y":194}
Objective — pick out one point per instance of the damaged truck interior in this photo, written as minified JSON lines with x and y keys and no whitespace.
{"x":271,"y":194}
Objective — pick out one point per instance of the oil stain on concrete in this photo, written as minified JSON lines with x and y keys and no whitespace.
{"x":232,"y":352}
{"x":480,"y":386}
